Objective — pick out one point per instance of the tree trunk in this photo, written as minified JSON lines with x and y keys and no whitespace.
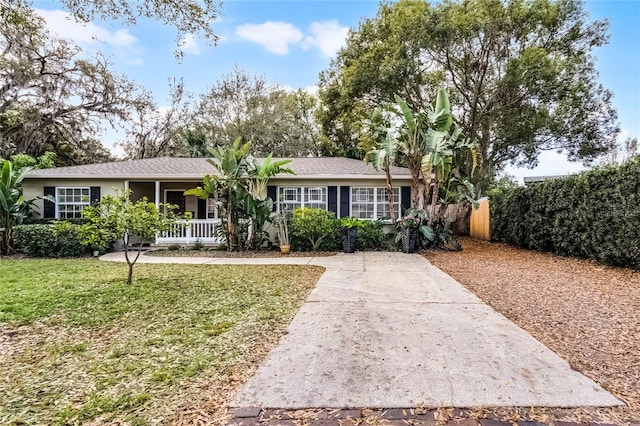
{"x":434,"y":201}
{"x":462,"y":223}
{"x":415,"y":191}
{"x":392,"y":210}
{"x":130,"y":276}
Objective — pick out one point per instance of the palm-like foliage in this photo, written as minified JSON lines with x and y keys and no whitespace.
{"x":240,"y":186}
{"x":260,"y":173}
{"x":13,"y":208}
{"x":444,"y":145}
{"x":383,"y":156}
{"x":433,"y":148}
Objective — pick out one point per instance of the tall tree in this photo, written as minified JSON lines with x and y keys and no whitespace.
{"x":52,"y":97}
{"x":273,"y":119}
{"x":622,"y":153}
{"x":153,"y":131}
{"x":522,"y":73}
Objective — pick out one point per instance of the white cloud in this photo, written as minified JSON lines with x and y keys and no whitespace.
{"x":328,"y":36}
{"x":274,"y":36}
{"x":190,"y":45}
{"x":65,"y":26}
{"x":550,"y":163}
{"x":91,"y":36}
{"x":312,"y":90}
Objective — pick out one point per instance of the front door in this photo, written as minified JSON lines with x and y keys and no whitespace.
{"x":177,"y":199}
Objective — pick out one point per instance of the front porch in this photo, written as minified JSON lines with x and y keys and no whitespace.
{"x":203,"y":231}
{"x":203,"y":228}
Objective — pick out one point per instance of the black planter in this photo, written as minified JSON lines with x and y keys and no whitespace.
{"x":409,"y":240}
{"x":349,"y":237}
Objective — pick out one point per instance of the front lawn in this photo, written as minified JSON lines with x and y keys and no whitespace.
{"x":78,"y":344}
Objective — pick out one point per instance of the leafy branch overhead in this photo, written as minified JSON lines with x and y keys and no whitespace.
{"x":187,"y":16}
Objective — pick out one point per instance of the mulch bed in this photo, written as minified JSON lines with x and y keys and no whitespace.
{"x":235,"y":254}
{"x":586,"y":312}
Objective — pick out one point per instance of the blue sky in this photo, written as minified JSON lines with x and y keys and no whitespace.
{"x":289,"y":42}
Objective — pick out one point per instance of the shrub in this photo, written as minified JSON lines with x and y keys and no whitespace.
{"x":61,"y":239}
{"x":314,"y":229}
{"x":595,"y":214}
{"x":371,"y":236}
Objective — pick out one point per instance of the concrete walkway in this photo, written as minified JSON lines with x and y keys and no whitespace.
{"x":383,"y":330}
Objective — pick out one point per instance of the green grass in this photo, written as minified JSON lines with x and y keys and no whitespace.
{"x":77,"y":343}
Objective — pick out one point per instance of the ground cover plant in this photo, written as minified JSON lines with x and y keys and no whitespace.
{"x":584,"y":311}
{"x":78,"y":344}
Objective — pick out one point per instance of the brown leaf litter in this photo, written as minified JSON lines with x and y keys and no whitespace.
{"x":584,"y":311}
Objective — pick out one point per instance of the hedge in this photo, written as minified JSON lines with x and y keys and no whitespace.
{"x":61,"y":239}
{"x":594,"y":214}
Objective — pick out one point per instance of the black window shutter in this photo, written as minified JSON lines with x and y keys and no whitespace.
{"x":345,"y":201}
{"x":202,"y":209}
{"x":49,"y":210}
{"x":94,"y":194}
{"x":405,"y":197}
{"x":332,"y":199}
{"x":272,"y":192}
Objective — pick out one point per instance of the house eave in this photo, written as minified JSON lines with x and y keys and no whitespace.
{"x":171,"y":178}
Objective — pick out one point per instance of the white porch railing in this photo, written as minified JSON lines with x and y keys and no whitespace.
{"x":204,"y":231}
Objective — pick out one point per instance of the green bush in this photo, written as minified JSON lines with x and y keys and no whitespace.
{"x":61,"y":239}
{"x":314,"y":229}
{"x":594,"y":214}
{"x":371,"y":236}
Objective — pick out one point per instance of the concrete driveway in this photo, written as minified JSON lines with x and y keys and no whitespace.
{"x":384,"y":330}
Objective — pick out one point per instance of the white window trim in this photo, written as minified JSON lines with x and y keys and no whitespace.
{"x":58,"y":203}
{"x":215,"y":209}
{"x":375,"y":201}
{"x":301,"y":201}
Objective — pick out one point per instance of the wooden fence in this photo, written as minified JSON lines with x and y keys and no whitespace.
{"x":480,"y":221}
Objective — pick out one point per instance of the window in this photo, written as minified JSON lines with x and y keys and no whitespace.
{"x":371,"y":203}
{"x":212,"y":208}
{"x":291,"y":198}
{"x":71,"y":201}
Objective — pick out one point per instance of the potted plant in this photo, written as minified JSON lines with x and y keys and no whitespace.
{"x":408,"y":226}
{"x":280,"y":223}
{"x":349,"y":227}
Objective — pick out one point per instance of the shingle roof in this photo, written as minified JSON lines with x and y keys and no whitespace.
{"x":195,"y":168}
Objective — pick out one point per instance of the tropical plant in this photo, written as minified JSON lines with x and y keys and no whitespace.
{"x":240,"y":186}
{"x":13,"y":207}
{"x":280,"y":222}
{"x":384,"y":154}
{"x":261,"y":172}
{"x":118,"y":218}
{"x":229,"y":186}
{"x":444,"y":145}
{"x":411,"y":135}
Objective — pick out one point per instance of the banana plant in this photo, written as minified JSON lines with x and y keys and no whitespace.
{"x":383,"y":156}
{"x":444,"y":142}
{"x":412,"y":145}
{"x":229,"y":185}
{"x":260,"y":174}
{"x":13,"y":207}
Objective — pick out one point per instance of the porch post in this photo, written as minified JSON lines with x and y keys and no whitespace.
{"x":157,"y":194}
{"x":126,"y":185}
